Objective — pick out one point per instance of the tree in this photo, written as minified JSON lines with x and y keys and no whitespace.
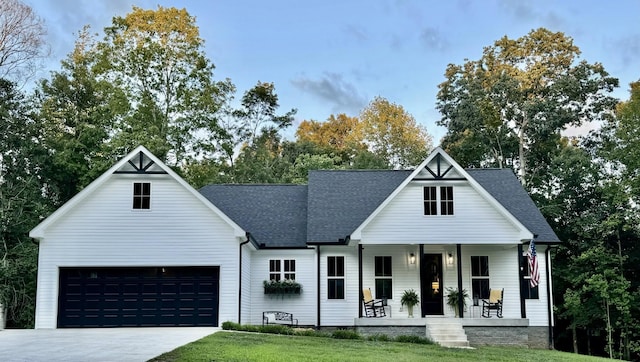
{"x":393,"y":134}
{"x":339,"y":133}
{"x":255,"y":117}
{"x":262,"y":161}
{"x":626,"y":144}
{"x":22,"y":203}
{"x":157,"y":58}
{"x":525,"y":90}
{"x":593,"y":267}
{"x":78,"y":112}
{"x":21,"y":40}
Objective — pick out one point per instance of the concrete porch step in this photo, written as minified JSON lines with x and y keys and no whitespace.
{"x":446,"y":332}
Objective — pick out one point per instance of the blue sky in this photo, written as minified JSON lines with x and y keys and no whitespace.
{"x":328,"y":57}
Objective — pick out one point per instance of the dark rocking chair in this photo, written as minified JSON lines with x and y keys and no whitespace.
{"x":494,"y":303}
{"x":372,"y":307}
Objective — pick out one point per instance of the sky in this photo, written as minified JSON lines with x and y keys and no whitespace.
{"x":334,"y":56}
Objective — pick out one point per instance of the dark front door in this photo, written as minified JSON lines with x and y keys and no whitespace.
{"x":128,"y":297}
{"x":431,"y":284}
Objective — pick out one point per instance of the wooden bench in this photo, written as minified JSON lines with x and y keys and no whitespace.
{"x":277,"y":317}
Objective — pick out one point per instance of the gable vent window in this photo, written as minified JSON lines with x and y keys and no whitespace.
{"x":438,"y":202}
{"x":141,"y":196}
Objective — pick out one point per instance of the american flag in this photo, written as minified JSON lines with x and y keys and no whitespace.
{"x":534,"y":273}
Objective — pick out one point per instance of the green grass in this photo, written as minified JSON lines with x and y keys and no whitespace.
{"x":242,"y":346}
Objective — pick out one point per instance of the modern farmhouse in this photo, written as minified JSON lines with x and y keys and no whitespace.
{"x":141,"y":247}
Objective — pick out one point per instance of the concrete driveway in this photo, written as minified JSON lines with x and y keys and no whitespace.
{"x":95,"y":344}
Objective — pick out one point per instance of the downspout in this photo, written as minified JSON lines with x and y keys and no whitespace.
{"x":318,"y":285}
{"x":360,"y":286}
{"x":240,"y":279}
{"x":549,"y":300}
{"x":460,"y":294}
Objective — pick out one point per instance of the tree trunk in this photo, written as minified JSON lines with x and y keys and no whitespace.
{"x":609,"y":337}
{"x":523,"y":160}
{"x":575,"y":339}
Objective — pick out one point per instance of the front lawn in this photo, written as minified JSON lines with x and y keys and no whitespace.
{"x":241,"y":346}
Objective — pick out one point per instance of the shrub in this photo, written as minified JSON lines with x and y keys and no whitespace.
{"x":345,"y":334}
{"x":228,"y":325}
{"x":310,"y":333}
{"x":275,"y":329}
{"x":413,"y":339}
{"x":379,"y":338}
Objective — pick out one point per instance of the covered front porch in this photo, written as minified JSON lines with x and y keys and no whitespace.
{"x":436,"y":271}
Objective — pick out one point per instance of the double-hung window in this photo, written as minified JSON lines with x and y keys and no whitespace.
{"x":438,"y":200}
{"x":480,"y":277}
{"x":383,"y":274}
{"x":335,"y":277}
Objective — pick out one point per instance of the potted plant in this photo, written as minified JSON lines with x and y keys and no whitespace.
{"x":453,"y":299}
{"x":410,"y":299}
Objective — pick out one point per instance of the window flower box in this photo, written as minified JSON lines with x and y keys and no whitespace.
{"x":282,"y":287}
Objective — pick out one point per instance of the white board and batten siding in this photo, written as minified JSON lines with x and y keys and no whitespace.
{"x":475,"y":220}
{"x":103,"y":231}
{"x":303,"y":306}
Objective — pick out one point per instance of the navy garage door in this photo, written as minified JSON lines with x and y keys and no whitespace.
{"x":131,"y":297}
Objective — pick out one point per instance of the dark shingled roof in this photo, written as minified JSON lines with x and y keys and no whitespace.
{"x":336,"y":202}
{"x":504,"y":186}
{"x":275,"y":215}
{"x":339,"y":201}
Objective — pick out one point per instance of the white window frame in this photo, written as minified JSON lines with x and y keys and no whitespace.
{"x":281,"y":269}
{"x":438,"y":200}
{"x":338,"y":277}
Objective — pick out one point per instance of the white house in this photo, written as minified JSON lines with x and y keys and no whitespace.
{"x":140,"y":247}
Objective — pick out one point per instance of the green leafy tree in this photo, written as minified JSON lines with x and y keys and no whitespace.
{"x":392,"y":134}
{"x":22,"y":203}
{"x":521,"y":92}
{"x":262,"y":161}
{"x":626,"y":142}
{"x":299,"y":171}
{"x":78,"y":112}
{"x":156,"y":57}
{"x":591,"y":212}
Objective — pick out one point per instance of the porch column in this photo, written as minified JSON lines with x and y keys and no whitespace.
{"x":521,"y":273}
{"x":460,"y":294}
{"x":360,"y":279}
{"x":318,"y":285}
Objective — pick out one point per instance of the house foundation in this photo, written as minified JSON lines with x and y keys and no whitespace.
{"x":479,"y":331}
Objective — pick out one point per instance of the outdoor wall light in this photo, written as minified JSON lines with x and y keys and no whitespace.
{"x":412,"y":258}
{"x":450,"y":259}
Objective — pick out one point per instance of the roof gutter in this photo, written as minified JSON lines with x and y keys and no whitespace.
{"x":341,"y":241}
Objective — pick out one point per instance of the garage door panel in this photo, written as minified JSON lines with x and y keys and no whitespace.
{"x":112,"y":297}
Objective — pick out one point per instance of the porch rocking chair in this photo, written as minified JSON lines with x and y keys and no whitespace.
{"x":494,"y":302}
{"x":372,"y":307}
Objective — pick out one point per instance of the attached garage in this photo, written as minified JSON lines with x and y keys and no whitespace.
{"x":132,"y":297}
